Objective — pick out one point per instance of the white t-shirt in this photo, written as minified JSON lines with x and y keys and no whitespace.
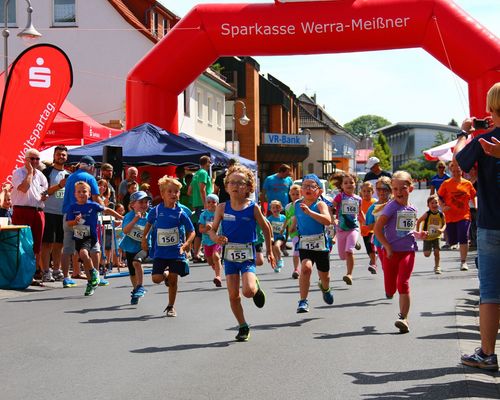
{"x":33,"y":196}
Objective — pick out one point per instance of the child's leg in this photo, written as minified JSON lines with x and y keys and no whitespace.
{"x":390,"y":268}
{"x":233,"y":289}
{"x":324,"y":277}
{"x":87,"y":262}
{"x":406,"y":263}
{"x":351,"y":239}
{"x":259,"y":258}
{"x":349,"y":261}
{"x":427,"y":253}
{"x":210,"y":260}
{"x":248,"y":284}
{"x":305,"y":278}
{"x":139,"y":274}
{"x":172,"y":287}
{"x":217,"y":264}
{"x":276,"y":250}
{"x":158,"y":278}
{"x":437,"y":257}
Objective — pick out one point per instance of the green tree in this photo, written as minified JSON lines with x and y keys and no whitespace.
{"x":440,"y":138}
{"x":419,"y":168}
{"x":383,"y":152}
{"x":365,"y":124}
{"x":453,"y":122}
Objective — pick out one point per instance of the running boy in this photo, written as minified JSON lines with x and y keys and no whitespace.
{"x":210,"y":248}
{"x":277,"y":221}
{"x":82,"y":216}
{"x":349,"y":216}
{"x":294,"y":194}
{"x":312,"y":216}
{"x":133,"y":228}
{"x":395,"y":228}
{"x":174,"y":233}
{"x":238,"y":218}
{"x":434,"y":224}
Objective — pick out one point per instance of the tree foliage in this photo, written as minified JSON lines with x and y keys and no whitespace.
{"x":419,"y":168}
{"x":383,"y":152}
{"x":365,"y":124}
{"x":441,"y":138}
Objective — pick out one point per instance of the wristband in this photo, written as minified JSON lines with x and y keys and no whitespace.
{"x":462,"y":133}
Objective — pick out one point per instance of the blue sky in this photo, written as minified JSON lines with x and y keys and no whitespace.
{"x":400,"y":85}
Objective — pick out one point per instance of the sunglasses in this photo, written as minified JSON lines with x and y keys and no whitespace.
{"x":35,"y":158}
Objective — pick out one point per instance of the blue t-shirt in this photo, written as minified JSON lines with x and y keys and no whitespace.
{"x":347,"y":211}
{"x":239,"y":226}
{"x":488,"y":179}
{"x":436,"y":181}
{"x":69,"y":188}
{"x":277,"y":224}
{"x":169,"y":233}
{"x":131,"y":242}
{"x":372,"y":215}
{"x":277,"y":188}
{"x":88,"y":224}
{"x":308,"y":226}
{"x":206,"y":217}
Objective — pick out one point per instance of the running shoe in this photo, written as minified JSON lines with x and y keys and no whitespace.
{"x":140,"y":291}
{"x":68,"y":282}
{"x":279,"y":265}
{"x":259,"y":298}
{"x":103,"y":282}
{"x":372,"y":268}
{"x":295,"y":274}
{"x":58,"y":275}
{"x":481,"y":360}
{"x":303,"y":306}
{"x":464,"y":266}
{"x":47,"y":277}
{"x":217,"y":282}
{"x":327,"y":294}
{"x":243,"y":334}
{"x":170,"y":310}
{"x":437,"y":270}
{"x":388,"y":297}
{"x":89,"y":291}
{"x":347,"y":279}
{"x":94,"y":277}
{"x":402,"y":324}
{"x":134,"y":299}
{"x":357,"y":246}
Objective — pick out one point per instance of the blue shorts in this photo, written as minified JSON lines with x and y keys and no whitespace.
{"x":488,"y":252}
{"x":233,"y":268}
{"x":179,"y":267}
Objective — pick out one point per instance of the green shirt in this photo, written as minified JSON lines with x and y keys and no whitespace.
{"x":201,"y":176}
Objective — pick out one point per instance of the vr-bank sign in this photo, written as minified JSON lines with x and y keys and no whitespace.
{"x":289,"y":140}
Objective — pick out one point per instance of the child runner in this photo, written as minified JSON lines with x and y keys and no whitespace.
{"x":349,"y":216}
{"x":210,"y":248}
{"x":395,"y":229}
{"x":133,"y":228}
{"x":367,"y":231}
{"x":434,"y":224}
{"x":238,"y":218}
{"x":294,"y":194}
{"x":171,"y":241}
{"x":311,"y":216}
{"x":82,"y":216}
{"x":277,"y":221}
{"x":383,"y":188}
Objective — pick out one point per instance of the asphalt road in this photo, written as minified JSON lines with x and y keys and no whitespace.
{"x":57,"y":344}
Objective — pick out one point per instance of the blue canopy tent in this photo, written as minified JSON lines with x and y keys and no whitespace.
{"x":145,"y":144}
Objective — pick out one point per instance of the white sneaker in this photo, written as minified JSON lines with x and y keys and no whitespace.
{"x":463,"y":266}
{"x":437,"y":270}
{"x":58,"y":275}
{"x":47,"y":277}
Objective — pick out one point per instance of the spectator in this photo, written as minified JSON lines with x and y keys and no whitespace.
{"x":219,"y":188}
{"x":277,"y":186}
{"x":439,"y":178}
{"x":53,"y":234}
{"x":132,"y":187}
{"x":375,"y":172}
{"x":180,"y":173}
{"x":28,"y":195}
{"x":454,"y":195}
{"x":104,"y":192}
{"x":107,"y":173}
{"x":483,"y":150}
{"x":200,"y":188}
{"x":132,"y":174}
{"x":6,"y":203}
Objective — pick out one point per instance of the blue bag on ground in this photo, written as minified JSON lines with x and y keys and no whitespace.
{"x":16,"y":273}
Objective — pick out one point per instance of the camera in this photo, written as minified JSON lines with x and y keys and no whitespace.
{"x":481,"y":124}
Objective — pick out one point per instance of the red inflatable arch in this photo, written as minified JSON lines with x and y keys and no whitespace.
{"x":209,"y":31}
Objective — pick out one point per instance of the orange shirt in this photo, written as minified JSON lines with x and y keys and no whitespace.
{"x":365,"y":205}
{"x":457,"y":195}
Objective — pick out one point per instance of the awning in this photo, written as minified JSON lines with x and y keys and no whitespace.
{"x":443,"y":152}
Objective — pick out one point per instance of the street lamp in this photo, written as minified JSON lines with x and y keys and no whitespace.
{"x":244,"y":120}
{"x":27,"y":33}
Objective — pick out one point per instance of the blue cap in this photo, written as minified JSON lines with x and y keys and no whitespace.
{"x":136,"y":196}
{"x":87,"y":160}
{"x":213,"y":196}
{"x":312,"y":177}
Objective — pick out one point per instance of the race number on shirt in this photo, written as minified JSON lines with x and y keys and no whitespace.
{"x":350,"y":207}
{"x":238,"y":252}
{"x":277,"y":226}
{"x":81,"y":231}
{"x":59,"y":194}
{"x":313,"y":242}
{"x":167,"y":237}
{"x":136,"y":233}
{"x":405,"y":220}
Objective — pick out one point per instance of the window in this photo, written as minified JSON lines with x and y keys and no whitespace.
{"x":264,"y":119}
{"x":210,"y":110}
{"x":154,"y":28}
{"x":166,"y":26}
{"x":187,"y":108}
{"x":11,"y":13}
{"x":199,"y":105}
{"x":64,"y":12}
{"x":219,"y":114}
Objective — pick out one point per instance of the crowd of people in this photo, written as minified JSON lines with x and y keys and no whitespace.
{"x":197,"y":220}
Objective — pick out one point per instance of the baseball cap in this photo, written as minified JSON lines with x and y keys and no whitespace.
{"x":136,"y":196}
{"x":312,"y":177}
{"x":371,"y":162}
{"x":87,"y":160}
{"x":213,"y":196}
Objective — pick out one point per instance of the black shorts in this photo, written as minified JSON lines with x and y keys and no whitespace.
{"x":430,"y":245}
{"x":131,"y":257}
{"x":179,"y":267}
{"x":320,"y":258}
{"x":53,"y":231}
{"x":370,"y":248}
{"x":85,"y":244}
{"x":259,"y":247}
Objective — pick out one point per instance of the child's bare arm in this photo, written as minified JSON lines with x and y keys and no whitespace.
{"x":219,"y":214}
{"x":144,"y":241}
{"x":268,"y":233}
{"x":110,"y":211}
{"x":419,"y":222}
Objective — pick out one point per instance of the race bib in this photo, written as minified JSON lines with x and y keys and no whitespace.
{"x":136,"y":233}
{"x":238,"y":252}
{"x":59,"y":194}
{"x":330,"y":230}
{"x":277,"y":226}
{"x":350,"y":207}
{"x":313,"y":242}
{"x":167,"y":237}
{"x":81,"y":231}
{"x":405,"y":221}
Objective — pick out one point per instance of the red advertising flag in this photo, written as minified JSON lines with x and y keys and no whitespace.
{"x":39,"y":81}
